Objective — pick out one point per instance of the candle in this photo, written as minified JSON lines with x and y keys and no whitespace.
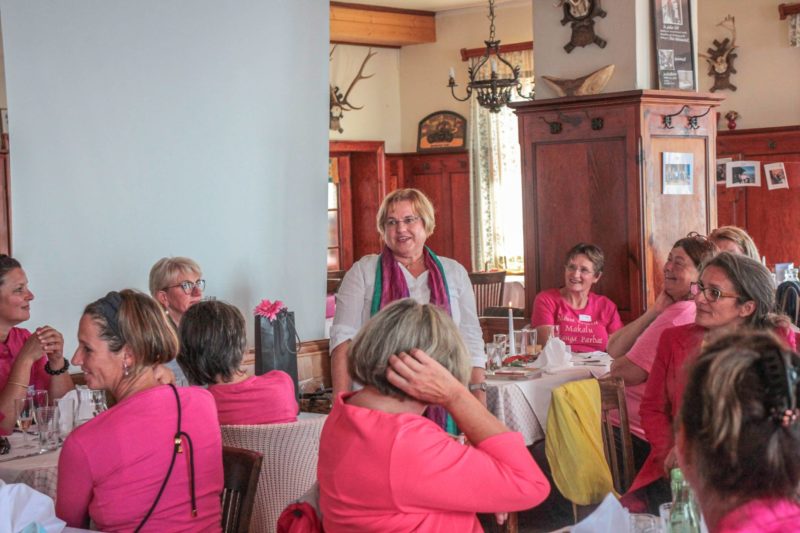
{"x":512,"y":345}
{"x":494,"y":65}
{"x":452,"y":73}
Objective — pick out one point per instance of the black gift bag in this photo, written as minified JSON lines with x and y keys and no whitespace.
{"x":276,"y":345}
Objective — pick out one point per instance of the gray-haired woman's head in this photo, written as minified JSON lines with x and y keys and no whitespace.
{"x":401,"y":327}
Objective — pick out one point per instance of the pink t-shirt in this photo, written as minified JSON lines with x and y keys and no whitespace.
{"x":265,"y":399}
{"x":584,"y":330}
{"x":643,"y":353}
{"x":762,"y":516}
{"x":387,"y":472}
{"x":9,"y":350}
{"x":112,"y":467}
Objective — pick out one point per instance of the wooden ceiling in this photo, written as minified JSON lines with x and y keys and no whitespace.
{"x":380,"y":26}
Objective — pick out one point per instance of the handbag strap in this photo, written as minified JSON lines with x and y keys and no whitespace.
{"x":176,"y":449}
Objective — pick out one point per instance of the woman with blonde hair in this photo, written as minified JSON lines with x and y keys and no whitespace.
{"x":154,"y":459}
{"x":739,"y":436}
{"x":405,"y":268}
{"x":735,"y":240}
{"x":415,"y":477}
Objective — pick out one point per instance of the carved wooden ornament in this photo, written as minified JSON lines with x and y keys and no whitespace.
{"x":720,"y":58}
{"x":581,"y":14}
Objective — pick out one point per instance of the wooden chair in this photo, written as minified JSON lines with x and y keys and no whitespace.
{"x":488,"y":287}
{"x":612,"y":398}
{"x":290,"y":463}
{"x":334,"y":280}
{"x":241,"y":470}
{"x":787,"y":298}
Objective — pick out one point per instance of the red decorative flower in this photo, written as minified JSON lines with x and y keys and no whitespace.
{"x":269,"y":309}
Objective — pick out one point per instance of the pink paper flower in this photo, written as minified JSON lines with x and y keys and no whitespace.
{"x":269,"y":309}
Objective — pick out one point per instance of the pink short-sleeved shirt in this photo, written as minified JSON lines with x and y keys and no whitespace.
{"x":111,"y":468}
{"x":265,"y":399}
{"x":386,"y":472}
{"x":643,"y":353}
{"x":762,"y":516}
{"x":584,"y":330}
{"x":9,"y":350}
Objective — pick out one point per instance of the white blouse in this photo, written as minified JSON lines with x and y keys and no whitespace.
{"x":354,"y":302}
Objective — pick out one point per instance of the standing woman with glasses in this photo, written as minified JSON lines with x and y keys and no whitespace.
{"x":405,"y":268}
{"x":25,"y":358}
{"x":177,"y":284}
{"x":585,"y":320}
{"x":734,"y":292}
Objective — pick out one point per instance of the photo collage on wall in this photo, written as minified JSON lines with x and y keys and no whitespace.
{"x":748,"y":174}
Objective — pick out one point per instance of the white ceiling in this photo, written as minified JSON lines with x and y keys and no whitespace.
{"x":427,"y":5}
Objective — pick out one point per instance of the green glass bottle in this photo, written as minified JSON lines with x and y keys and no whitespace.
{"x":684,"y":517}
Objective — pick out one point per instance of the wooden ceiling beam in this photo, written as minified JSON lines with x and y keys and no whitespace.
{"x":786,"y":10}
{"x":380,"y":26}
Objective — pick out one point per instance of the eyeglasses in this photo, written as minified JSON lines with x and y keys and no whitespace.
{"x":712,"y":294}
{"x":408,"y":221}
{"x":188,"y":287}
{"x":583,"y":271}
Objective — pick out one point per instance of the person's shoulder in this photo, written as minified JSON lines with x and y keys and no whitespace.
{"x":367,"y":261}
{"x":19,"y":334}
{"x":683,"y":334}
{"x":548,"y":295}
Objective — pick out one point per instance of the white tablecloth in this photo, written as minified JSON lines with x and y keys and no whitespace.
{"x":37,"y":471}
{"x":522,"y":405}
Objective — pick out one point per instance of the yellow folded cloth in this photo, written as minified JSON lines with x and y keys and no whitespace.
{"x":574,"y":443}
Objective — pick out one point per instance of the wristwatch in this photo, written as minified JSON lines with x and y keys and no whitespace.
{"x":478,"y":386}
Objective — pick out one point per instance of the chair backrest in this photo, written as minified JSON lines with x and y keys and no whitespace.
{"x":787,"y":298}
{"x":612,"y":398}
{"x":241,"y":470}
{"x":488,"y":288}
{"x":290,"y":463}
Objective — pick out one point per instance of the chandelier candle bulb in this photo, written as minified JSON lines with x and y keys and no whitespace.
{"x":452,"y":73}
{"x":494,"y":66}
{"x":512,"y":345}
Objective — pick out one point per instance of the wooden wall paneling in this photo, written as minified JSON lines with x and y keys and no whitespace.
{"x":380,"y":26}
{"x":345,"y":213}
{"x":5,"y":196}
{"x":444,"y":178}
{"x":769,"y":216}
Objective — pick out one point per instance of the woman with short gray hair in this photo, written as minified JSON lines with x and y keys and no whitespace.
{"x":415,"y":477}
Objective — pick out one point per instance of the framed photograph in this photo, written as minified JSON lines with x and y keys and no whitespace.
{"x":678,"y":173}
{"x":743,"y":174}
{"x":442,"y":131}
{"x":775,"y":174}
{"x":721,"y":169}
{"x":673,"y":36}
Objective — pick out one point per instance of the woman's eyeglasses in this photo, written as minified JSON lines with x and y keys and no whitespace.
{"x":583,"y":271}
{"x":188,"y":287}
{"x":408,"y":221}
{"x":712,"y":294}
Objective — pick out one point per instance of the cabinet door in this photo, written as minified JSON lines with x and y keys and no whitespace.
{"x":581,"y":195}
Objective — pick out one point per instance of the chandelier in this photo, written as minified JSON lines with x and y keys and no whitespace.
{"x":494,"y":92}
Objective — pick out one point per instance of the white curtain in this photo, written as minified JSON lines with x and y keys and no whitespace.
{"x":794,"y":30}
{"x":496,"y":176}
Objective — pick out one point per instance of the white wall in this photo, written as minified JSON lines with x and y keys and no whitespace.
{"x":150,"y":128}
{"x":768,"y":77}
{"x":379,"y":120}
{"x":424,"y":67}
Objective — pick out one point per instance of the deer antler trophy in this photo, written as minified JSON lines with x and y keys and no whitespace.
{"x":720,"y":58}
{"x":339,"y":102}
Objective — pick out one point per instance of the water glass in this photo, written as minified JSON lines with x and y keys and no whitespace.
{"x":47,"y":421}
{"x":90,"y":404}
{"x":664,"y":510}
{"x":39,"y":397}
{"x":25,"y":416}
{"x":492,"y":354}
{"x":67,"y":416}
{"x":501,"y":339}
{"x":643,"y":523}
{"x":554,"y":331}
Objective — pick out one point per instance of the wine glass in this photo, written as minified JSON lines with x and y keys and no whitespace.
{"x":24,"y":408}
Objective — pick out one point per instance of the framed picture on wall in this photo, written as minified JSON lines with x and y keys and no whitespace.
{"x":775,"y":174}
{"x":743,"y":174}
{"x":442,"y":131}
{"x":673,"y":36}
{"x":722,"y":169}
{"x":677,"y":173}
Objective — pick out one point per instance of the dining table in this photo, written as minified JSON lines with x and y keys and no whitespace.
{"x":31,"y":466}
{"x":522,"y":404}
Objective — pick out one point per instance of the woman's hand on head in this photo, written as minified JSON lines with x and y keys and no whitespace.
{"x":164,"y":375}
{"x":422,"y":378}
{"x":663,"y":300}
{"x":52,"y":342}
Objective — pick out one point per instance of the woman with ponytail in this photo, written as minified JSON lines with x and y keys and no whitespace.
{"x":153,"y":461}
{"x":739,"y":437}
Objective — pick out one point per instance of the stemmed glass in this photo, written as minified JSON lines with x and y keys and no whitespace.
{"x":24,"y":408}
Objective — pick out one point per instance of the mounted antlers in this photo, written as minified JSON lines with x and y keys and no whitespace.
{"x":720,"y":58}
{"x":339,"y":103}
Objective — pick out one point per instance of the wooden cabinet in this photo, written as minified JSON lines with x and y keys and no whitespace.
{"x":592,"y":172}
{"x":770,"y":217}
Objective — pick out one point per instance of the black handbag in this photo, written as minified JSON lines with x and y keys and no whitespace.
{"x":276,"y":345}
